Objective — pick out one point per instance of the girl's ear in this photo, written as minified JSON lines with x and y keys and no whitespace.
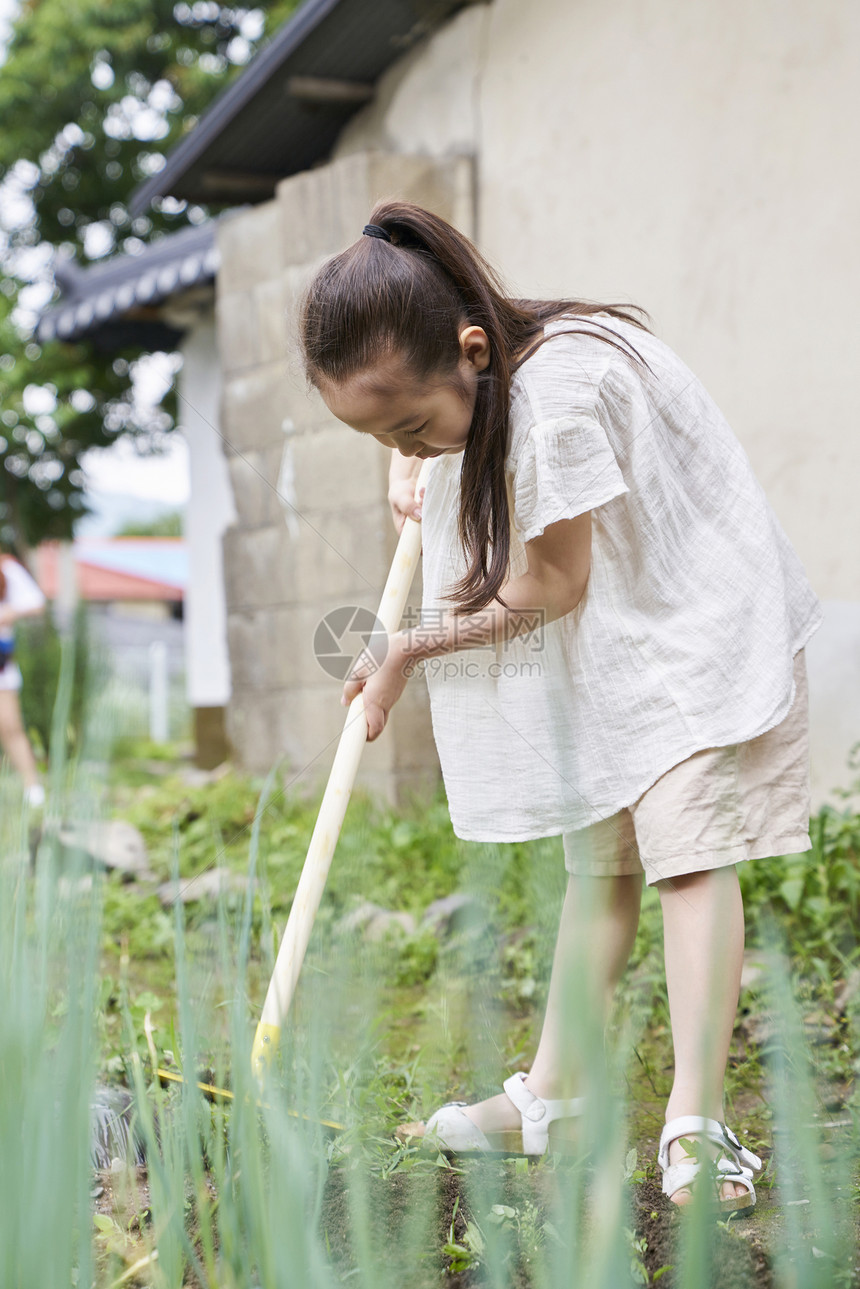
{"x":475,"y":347}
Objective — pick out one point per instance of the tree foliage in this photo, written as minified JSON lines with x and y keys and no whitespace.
{"x":171,"y":524}
{"x":93,"y":93}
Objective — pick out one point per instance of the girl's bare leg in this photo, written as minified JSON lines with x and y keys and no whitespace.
{"x":14,"y":739}
{"x":598,"y":925}
{"x":703,"y":932}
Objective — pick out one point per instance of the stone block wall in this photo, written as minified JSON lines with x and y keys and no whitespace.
{"x":313,"y":529}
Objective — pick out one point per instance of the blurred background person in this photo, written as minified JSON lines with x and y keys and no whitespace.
{"x":20,"y":597}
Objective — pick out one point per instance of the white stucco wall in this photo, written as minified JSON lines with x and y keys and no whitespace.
{"x":702,"y":160}
{"x":210,"y":510}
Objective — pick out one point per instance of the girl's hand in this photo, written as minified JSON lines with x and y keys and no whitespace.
{"x":404,"y":505}
{"x":381,"y":688}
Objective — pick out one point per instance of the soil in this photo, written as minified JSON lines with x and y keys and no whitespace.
{"x":411,"y":1261}
{"x":736,"y":1259}
{"x":402,"y":1223}
{"x":411,"y":1217}
{"x":398,"y":1226}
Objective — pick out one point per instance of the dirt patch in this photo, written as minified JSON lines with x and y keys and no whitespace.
{"x":121,"y":1209}
{"x":402,"y":1222}
{"x":736,"y":1258}
{"x":408,"y":1223}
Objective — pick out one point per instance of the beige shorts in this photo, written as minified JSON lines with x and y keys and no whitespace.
{"x":720,"y":806}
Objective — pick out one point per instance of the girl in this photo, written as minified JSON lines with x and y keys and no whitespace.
{"x":586,"y":485}
{"x":20,"y":597}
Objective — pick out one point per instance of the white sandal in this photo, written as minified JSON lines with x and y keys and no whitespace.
{"x":737,"y":1165}
{"x":455,"y":1133}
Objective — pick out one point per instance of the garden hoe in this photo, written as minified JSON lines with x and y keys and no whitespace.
{"x":330,"y":820}
{"x":326,"y":832}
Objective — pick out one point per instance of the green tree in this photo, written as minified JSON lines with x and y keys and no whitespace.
{"x":93,"y":93}
{"x":171,"y":524}
{"x":55,"y":402}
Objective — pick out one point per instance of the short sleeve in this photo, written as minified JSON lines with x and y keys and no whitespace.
{"x":563,"y":468}
{"x":22,"y":592}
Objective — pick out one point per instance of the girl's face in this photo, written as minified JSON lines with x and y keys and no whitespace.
{"x":418,"y":420}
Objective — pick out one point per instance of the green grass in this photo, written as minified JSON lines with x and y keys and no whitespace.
{"x":256,"y":1196}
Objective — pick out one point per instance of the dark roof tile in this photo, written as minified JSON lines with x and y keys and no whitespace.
{"x":268,"y":123}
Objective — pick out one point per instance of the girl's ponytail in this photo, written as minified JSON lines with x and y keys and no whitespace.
{"x":415,"y":229}
{"x":408,"y":288}
{"x":484,"y":521}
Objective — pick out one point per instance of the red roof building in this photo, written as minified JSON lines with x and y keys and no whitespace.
{"x":100,"y":574}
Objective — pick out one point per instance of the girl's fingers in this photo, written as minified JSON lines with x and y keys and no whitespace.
{"x":351,"y":690}
{"x":399,"y":516}
{"x":373,"y":713}
{"x":375,"y":717}
{"x":405,"y":505}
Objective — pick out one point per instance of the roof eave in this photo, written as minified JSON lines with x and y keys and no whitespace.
{"x":231,"y":100}
{"x":286,"y":111}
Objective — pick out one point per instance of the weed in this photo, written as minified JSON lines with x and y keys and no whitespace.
{"x":464,"y":1254}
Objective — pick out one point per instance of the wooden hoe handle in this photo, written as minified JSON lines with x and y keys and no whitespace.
{"x":330,"y":820}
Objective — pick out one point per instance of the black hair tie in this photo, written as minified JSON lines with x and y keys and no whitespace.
{"x":374,"y":230}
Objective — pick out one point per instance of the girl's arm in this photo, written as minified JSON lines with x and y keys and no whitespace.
{"x":402,"y":478}
{"x":8,"y":614}
{"x":553,"y":585}
{"x":555,"y":582}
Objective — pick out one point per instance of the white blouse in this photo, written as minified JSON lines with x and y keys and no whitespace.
{"x":695,"y":606}
{"x":22,"y":592}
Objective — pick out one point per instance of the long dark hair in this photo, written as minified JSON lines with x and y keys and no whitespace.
{"x":410,"y":297}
